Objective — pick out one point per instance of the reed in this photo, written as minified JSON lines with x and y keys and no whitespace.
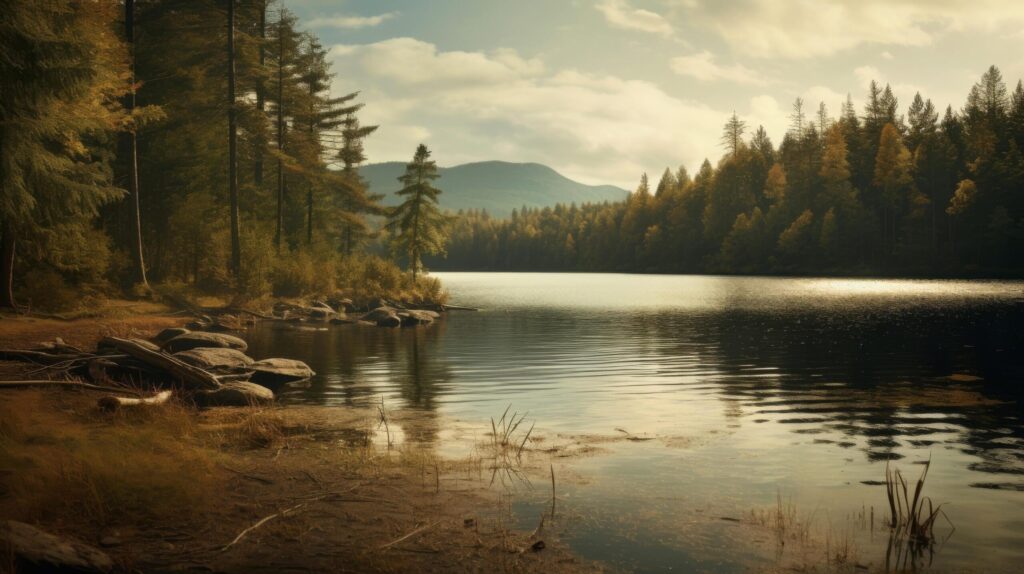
{"x":912,"y":517}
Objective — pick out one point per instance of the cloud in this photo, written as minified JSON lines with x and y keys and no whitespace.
{"x":350,"y":22}
{"x":500,"y":105}
{"x":409,"y":61}
{"x":621,"y":14}
{"x":701,"y":66}
{"x":802,"y":29}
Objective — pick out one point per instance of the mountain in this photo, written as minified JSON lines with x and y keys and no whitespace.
{"x":497,"y":186}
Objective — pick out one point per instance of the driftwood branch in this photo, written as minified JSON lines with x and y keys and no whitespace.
{"x":193,"y":377}
{"x":76,"y":384}
{"x":409,"y":535}
{"x":38,"y":357}
{"x":261,"y":522}
{"x":115,"y":403}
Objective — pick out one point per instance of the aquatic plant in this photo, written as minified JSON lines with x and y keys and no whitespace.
{"x":912,"y":519}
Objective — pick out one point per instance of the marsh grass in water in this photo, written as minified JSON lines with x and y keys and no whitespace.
{"x":912,"y":520}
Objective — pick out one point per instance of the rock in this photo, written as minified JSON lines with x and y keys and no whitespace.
{"x":382,"y":317}
{"x":276,"y":372}
{"x":416,"y":317}
{"x":341,"y":321}
{"x":321,"y":312}
{"x":377,"y":314}
{"x":168,"y":334}
{"x":110,"y":541}
{"x":390,"y":321}
{"x":34,"y":550}
{"x":235,"y":394}
{"x":217,"y":359}
{"x":342,"y":304}
{"x":193,"y":340}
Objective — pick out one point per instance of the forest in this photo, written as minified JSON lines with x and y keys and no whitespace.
{"x":880,"y":192}
{"x":191,"y":145}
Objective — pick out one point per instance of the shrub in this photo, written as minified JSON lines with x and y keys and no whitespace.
{"x":46,"y":290}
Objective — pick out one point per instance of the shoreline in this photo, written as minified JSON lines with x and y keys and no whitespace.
{"x":335,"y":496}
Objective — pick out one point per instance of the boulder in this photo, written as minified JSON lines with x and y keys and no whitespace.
{"x":168,"y":334}
{"x":215,"y":359}
{"x":416,"y":317}
{"x":342,"y":304}
{"x":383,"y":317}
{"x":319,"y":312}
{"x":276,"y":372}
{"x":34,"y":550}
{"x":235,"y":394}
{"x":194,"y":340}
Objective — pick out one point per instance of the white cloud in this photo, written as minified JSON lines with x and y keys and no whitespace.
{"x":409,"y":61}
{"x":499,"y":105}
{"x":621,"y":14}
{"x":803,"y":29}
{"x":887,"y":55}
{"x":350,"y":22}
{"x":701,"y":66}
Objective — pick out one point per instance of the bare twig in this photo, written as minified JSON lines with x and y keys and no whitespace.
{"x":64,"y":383}
{"x":409,"y":535}
{"x":261,"y":522}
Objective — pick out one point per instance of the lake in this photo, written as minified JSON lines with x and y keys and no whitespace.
{"x":751,"y":391}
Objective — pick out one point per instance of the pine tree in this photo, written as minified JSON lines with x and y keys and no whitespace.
{"x":132,"y":159}
{"x":893,"y":177}
{"x":732,"y":134}
{"x":798,"y":119}
{"x":236,"y":240}
{"x":418,"y":225}
{"x":63,"y":76}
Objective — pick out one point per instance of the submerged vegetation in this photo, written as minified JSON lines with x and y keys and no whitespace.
{"x":878,"y":192}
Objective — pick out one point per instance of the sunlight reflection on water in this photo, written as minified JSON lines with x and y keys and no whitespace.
{"x":752,"y":387}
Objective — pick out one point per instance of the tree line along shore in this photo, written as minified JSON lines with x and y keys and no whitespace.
{"x":875,"y":191}
{"x":191,"y":145}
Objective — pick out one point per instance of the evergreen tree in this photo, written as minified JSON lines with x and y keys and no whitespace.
{"x":732,"y":134}
{"x":893,"y":177}
{"x":63,"y":76}
{"x":418,"y":225}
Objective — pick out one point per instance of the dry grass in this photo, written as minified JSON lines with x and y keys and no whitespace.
{"x":66,"y":464}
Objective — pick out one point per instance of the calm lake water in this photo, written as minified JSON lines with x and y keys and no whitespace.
{"x":751,"y":389}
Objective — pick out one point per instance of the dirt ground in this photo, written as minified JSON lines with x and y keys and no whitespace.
{"x":176,"y":489}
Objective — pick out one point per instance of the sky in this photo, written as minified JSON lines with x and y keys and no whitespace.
{"x":604,"y":90}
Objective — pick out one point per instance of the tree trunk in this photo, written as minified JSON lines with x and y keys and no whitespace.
{"x":7,"y":251}
{"x":309,"y":215}
{"x":236,"y":248}
{"x":191,"y":377}
{"x":280,"y":133}
{"x":309,"y":191}
{"x":138,"y":262}
{"x":261,"y":98}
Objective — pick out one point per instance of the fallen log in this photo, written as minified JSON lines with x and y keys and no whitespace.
{"x":76,"y":384}
{"x":447,"y":307}
{"x":192,"y":377}
{"x":38,"y":357}
{"x":115,"y":403}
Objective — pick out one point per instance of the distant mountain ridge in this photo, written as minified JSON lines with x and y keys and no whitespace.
{"x":497,"y":186}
